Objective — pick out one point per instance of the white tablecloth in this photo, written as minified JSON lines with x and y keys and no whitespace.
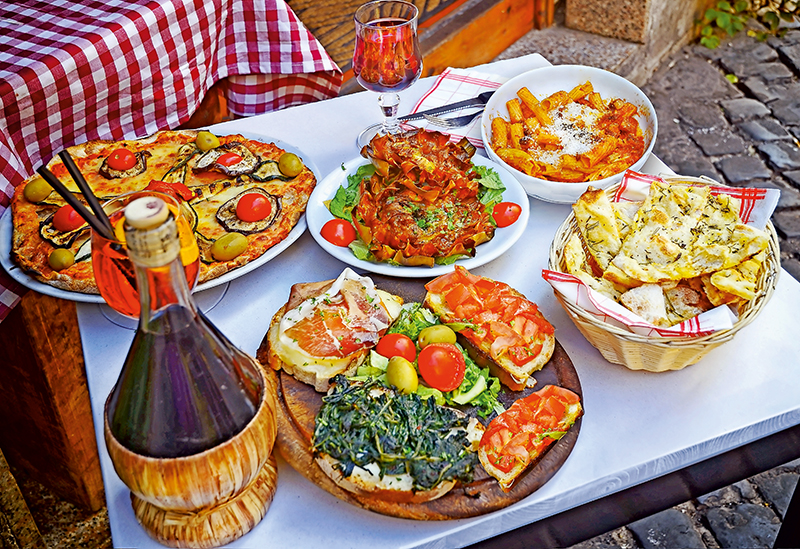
{"x":637,"y":425}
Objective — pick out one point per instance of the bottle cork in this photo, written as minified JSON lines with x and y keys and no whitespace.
{"x":151,"y":233}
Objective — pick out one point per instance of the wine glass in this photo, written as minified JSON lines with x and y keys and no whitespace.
{"x":113,"y":270}
{"x":386,"y":58}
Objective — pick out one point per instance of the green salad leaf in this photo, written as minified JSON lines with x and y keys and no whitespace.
{"x":491,"y":187}
{"x":347,"y":196}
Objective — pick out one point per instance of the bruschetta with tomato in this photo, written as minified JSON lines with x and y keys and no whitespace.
{"x":500,"y":328}
{"x":517,"y":438}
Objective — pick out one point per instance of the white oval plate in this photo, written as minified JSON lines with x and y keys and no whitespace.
{"x":20,"y":276}
{"x":317,"y":215}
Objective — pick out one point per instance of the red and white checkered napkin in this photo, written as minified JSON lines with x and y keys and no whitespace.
{"x":451,"y":86}
{"x":73,"y":71}
{"x":757,"y":206}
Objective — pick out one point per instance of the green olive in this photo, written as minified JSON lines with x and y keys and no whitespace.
{"x":401,"y":373}
{"x":438,"y":333}
{"x":207,"y":141}
{"x":60,"y":259}
{"x":290,"y":165}
{"x":37,"y":190}
{"x":229,"y":246}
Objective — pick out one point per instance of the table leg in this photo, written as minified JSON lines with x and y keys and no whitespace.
{"x":46,"y":426}
{"x":789,"y":534}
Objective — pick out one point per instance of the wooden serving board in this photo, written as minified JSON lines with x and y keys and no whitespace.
{"x":299,"y":403}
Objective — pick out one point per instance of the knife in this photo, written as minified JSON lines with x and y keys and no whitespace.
{"x":479,"y":101}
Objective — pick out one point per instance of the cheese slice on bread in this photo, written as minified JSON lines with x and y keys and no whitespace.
{"x":328,"y":328}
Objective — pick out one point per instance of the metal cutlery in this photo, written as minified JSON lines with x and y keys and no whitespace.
{"x":453,"y":122}
{"x":475,"y":101}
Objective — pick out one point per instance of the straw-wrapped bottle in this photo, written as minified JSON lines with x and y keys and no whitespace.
{"x":190,"y":424}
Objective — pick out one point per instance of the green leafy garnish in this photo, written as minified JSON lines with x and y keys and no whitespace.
{"x":402,"y":434}
{"x":347,"y":196}
{"x":491,"y":187}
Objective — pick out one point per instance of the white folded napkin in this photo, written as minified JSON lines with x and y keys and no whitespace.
{"x":451,"y":86}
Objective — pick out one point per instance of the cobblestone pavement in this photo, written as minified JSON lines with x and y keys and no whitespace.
{"x":744,"y":133}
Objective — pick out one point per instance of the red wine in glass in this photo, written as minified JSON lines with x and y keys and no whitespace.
{"x":386,"y":58}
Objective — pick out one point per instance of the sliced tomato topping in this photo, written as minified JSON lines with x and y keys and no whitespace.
{"x":121,"y":159}
{"x":66,"y":219}
{"x":178,"y":191}
{"x":229,"y":159}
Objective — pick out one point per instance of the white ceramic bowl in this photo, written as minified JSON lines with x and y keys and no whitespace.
{"x":548,"y":80}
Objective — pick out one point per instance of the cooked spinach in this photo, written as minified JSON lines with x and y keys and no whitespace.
{"x":400,"y":433}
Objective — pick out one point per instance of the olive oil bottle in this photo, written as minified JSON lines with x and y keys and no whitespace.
{"x":184,"y":387}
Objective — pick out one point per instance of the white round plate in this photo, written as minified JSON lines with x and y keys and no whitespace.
{"x":20,"y":276}
{"x":317,"y":215}
{"x":545,"y":81}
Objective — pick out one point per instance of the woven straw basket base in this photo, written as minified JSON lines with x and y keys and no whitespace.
{"x":212,"y":526}
{"x":660,"y":354}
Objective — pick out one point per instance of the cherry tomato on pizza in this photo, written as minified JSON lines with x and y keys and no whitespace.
{"x":506,"y":213}
{"x":253,"y":207}
{"x":392,"y":345}
{"x":229,"y":159}
{"x":121,"y":159}
{"x":442,"y":366}
{"x":338,"y":232}
{"x":66,"y":219}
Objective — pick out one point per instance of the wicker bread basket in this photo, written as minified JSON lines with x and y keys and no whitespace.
{"x":659,"y":354}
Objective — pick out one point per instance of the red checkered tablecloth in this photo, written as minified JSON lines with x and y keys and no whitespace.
{"x":74,"y":71}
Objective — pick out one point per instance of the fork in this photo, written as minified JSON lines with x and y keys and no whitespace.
{"x":453,"y":122}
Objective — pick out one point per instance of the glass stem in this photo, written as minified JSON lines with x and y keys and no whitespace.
{"x":389,"y":102}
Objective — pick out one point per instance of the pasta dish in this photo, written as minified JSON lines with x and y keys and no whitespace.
{"x":573,"y":136}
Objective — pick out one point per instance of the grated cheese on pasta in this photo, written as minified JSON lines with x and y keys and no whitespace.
{"x":573,"y":125}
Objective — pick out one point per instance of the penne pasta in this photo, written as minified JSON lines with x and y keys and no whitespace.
{"x":570,"y":136}
{"x":514,"y":111}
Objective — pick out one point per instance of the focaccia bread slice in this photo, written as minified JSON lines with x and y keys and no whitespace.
{"x":328,"y":328}
{"x":597,"y":226}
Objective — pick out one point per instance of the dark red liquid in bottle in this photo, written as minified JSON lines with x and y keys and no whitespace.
{"x":387,"y":57}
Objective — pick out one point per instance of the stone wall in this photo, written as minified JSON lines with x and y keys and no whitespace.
{"x":660,"y":26}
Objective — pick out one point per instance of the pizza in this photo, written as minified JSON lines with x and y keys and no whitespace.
{"x":226,"y":185}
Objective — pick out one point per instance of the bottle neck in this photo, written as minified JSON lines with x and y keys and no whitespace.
{"x":161,"y":288}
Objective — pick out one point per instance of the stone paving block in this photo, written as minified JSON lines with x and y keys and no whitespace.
{"x":698,"y":78}
{"x":795,"y":131}
{"x":787,"y":110}
{"x":738,"y":169}
{"x":695,"y":167}
{"x":793,"y":177}
{"x":777,"y":488}
{"x":791,"y":37}
{"x":756,"y":87}
{"x":718,"y":142}
{"x":747,"y":525}
{"x":792,"y":267}
{"x":738,"y":110}
{"x":783,"y":155}
{"x":790,"y":197}
{"x":702,"y":115}
{"x":791,"y":55}
{"x":774,"y":72}
{"x":764,"y":129}
{"x":787,"y":223}
{"x":669,"y":528}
